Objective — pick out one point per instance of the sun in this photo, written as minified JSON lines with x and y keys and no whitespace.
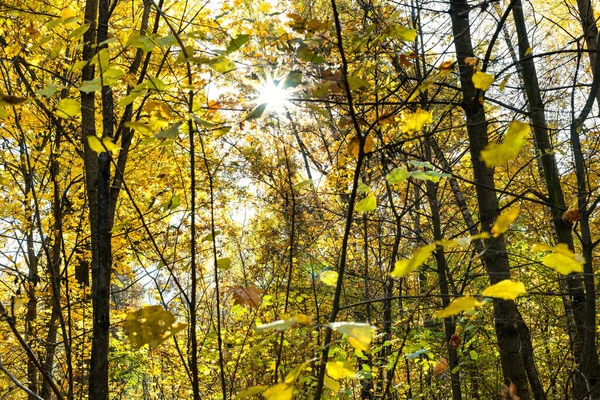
{"x":275,"y":95}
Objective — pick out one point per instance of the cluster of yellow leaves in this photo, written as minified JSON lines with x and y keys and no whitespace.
{"x":150,"y":325}
{"x":413,"y":123}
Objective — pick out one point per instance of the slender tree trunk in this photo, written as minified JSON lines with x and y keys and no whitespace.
{"x":590,"y":33}
{"x":442,"y":270}
{"x":555,"y":192}
{"x":98,"y":186}
{"x":507,"y":319}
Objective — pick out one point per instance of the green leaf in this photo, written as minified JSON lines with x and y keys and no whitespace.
{"x":402,"y":33}
{"x":224,"y":263}
{"x":90,"y":86}
{"x":167,"y":41}
{"x":364,"y":188}
{"x":155,"y":84}
{"x":306,"y":54}
{"x":406,"y":266}
{"x":79,"y":31}
{"x":256,"y":112}
{"x":357,"y":83}
{"x":359,"y":334}
{"x":102,"y":60}
{"x":397,"y":175}
{"x":236,"y":43}
{"x":112,"y":76}
{"x":209,"y":236}
{"x":171,"y":132}
{"x":329,"y":278}
{"x":292,"y":80}
{"x":68,"y":108}
{"x":150,"y":325}
{"x":367,"y":204}
{"x":432,"y":176}
{"x":49,"y":91}
{"x":175,"y":202}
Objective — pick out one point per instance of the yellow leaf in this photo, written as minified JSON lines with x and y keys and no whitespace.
{"x":150,"y":325}
{"x":334,"y":386}
{"x":67,"y":14}
{"x":254,"y":390}
{"x":340,"y":369}
{"x":562,"y":264}
{"x":413,"y":123}
{"x":359,"y":334}
{"x":506,"y":289}
{"x":369,"y":144}
{"x":504,"y":220}
{"x":495,"y":154}
{"x":95,"y":144}
{"x":466,"y":303}
{"x":110,"y":145}
{"x":354,"y":146}
{"x":329,"y":277}
{"x":281,"y":391}
{"x":562,"y":259}
{"x":369,"y":203}
{"x":404,"y":267}
{"x":291,"y":377}
{"x":68,"y":108}
{"x":482,"y":80}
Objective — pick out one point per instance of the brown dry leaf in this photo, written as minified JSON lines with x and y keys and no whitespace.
{"x":510,"y":392}
{"x":354,"y":146}
{"x":249,"y":296}
{"x":471,"y":61}
{"x":440,"y":367}
{"x":454,"y":341}
{"x":571,"y":216}
{"x":7,"y":99}
{"x":404,"y":61}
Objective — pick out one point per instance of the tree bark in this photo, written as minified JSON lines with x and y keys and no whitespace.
{"x":555,"y":193}
{"x":506,"y":316}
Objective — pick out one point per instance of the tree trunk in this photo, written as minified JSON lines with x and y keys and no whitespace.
{"x":590,"y":33}
{"x":555,"y":192}
{"x":442,"y":268}
{"x":507,"y":319}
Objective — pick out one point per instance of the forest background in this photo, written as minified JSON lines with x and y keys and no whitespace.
{"x":372,"y":199}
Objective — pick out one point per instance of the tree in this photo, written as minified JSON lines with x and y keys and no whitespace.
{"x":298,"y":200}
